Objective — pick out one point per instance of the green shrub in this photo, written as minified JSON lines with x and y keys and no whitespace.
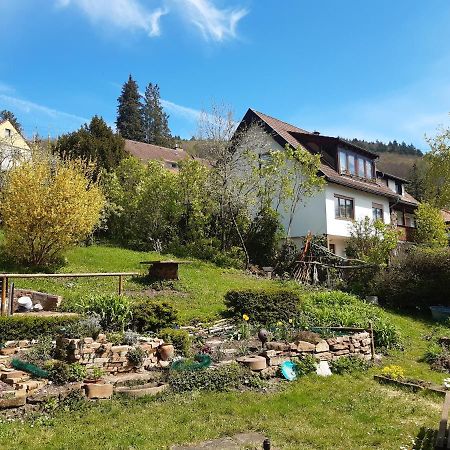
{"x":33,"y":326}
{"x":61,"y":372}
{"x":349,"y":364}
{"x":152,"y":316}
{"x":136,"y":356}
{"x":41,"y":352}
{"x":179,"y":338}
{"x":222,"y":378}
{"x":335,"y":309}
{"x":263,"y":306}
{"x":305,"y":365}
{"x":114,"y":311}
{"x":420,"y":278}
{"x":85,"y":327}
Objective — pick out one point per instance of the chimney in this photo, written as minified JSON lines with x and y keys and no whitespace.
{"x":317,"y":133}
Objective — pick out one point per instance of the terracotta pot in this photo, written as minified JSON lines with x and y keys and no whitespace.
{"x":166,"y":352}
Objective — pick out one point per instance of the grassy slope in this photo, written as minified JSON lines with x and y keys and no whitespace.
{"x":339,"y":412}
{"x":397,"y":164}
{"x":203,"y":284}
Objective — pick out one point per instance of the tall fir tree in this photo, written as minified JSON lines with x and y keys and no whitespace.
{"x":129,"y":118}
{"x":156,"y":126}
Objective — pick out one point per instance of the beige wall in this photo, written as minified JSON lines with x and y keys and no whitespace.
{"x":13,"y":147}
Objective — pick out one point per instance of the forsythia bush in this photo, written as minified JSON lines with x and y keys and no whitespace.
{"x":47,"y":206}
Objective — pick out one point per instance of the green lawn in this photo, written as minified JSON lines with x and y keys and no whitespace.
{"x":312,"y":413}
{"x":202,"y":285}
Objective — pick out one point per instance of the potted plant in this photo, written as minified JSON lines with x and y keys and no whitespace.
{"x":94,"y":375}
{"x":136,"y":356}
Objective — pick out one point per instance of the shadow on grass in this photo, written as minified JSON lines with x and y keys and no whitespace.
{"x":422,"y":315}
{"x":425,"y":439}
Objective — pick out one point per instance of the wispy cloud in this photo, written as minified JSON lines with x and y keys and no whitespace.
{"x":214,"y":23}
{"x":127,"y":14}
{"x":36,"y":116}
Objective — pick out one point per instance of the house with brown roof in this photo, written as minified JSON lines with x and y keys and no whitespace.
{"x":169,"y":157}
{"x":355,"y":189}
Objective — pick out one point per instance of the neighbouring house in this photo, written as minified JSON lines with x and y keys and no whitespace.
{"x":169,"y":157}
{"x":355,"y":189}
{"x":13,"y":147}
{"x":446,"y":215}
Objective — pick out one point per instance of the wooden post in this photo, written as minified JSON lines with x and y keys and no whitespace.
{"x":372,"y":341}
{"x":120,"y":284}
{"x":4,"y":281}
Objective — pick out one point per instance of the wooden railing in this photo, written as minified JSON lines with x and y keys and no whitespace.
{"x":4,"y":277}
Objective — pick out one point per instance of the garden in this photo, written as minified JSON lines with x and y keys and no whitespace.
{"x":167,"y":362}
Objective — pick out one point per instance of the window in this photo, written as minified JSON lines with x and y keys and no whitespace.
{"x":344,"y":207}
{"x":377,"y":212}
{"x":353,"y":164}
{"x":332,"y":248}
{"x":7,"y":132}
{"x":398,"y":188}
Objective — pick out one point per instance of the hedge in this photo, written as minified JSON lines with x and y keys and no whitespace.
{"x":263,"y":306}
{"x":32,"y":326}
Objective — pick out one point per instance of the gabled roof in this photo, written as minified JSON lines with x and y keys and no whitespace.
{"x":285,"y":133}
{"x":148,"y":152}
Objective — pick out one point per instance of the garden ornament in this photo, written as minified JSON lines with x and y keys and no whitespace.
{"x":263,"y":335}
{"x":288,"y":370}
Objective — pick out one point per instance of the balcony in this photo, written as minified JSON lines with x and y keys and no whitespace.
{"x":406,"y":234}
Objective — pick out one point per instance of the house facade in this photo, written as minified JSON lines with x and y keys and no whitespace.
{"x":354,"y":188}
{"x":13,"y":147}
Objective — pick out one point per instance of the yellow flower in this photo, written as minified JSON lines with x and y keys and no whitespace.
{"x":245,"y":317}
{"x":280,"y":323}
{"x":290,"y":320}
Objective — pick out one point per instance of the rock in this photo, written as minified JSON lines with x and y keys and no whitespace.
{"x":164,"y":364}
{"x":279,"y":346}
{"x":98,"y":390}
{"x":324,"y":356}
{"x":322,"y":346}
{"x":12,"y":400}
{"x":342,"y":352}
{"x":8,"y":351}
{"x":277,"y":360}
{"x":88,"y":340}
{"x":142,"y":390}
{"x":308,"y":336}
{"x":339,"y":347}
{"x":323,"y":369}
{"x":38,"y":307}
{"x":304,"y":346}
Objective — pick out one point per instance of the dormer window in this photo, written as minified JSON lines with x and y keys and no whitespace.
{"x":351,"y":163}
{"x":399,"y":187}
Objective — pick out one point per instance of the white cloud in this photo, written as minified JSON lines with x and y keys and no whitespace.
{"x":214,"y":23}
{"x":127,"y":14}
{"x":40,"y":117}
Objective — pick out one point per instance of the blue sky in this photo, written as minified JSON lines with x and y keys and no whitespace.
{"x":368,"y":69}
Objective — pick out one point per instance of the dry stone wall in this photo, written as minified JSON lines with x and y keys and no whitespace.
{"x":109,"y":357}
{"x":358,"y":344}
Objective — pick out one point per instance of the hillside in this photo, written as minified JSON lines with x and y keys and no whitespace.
{"x":395,"y":164}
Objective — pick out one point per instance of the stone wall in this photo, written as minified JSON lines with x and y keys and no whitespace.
{"x":49,"y":302}
{"x":358,"y":344}
{"x":109,"y":357}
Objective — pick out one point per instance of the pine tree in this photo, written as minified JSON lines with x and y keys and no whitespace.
{"x":129,"y":119}
{"x":155,"y":120}
{"x":95,"y":141}
{"x":8,"y":115}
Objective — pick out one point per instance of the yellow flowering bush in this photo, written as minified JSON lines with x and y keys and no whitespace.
{"x":394,"y":372}
{"x":47,"y":206}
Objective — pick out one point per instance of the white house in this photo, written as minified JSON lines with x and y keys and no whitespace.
{"x":13,"y":147}
{"x":355,"y":189}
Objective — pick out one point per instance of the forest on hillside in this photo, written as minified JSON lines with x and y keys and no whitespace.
{"x":391,"y":147}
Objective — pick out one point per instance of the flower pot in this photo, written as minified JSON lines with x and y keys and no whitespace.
{"x":98,"y":390}
{"x":166,"y":351}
